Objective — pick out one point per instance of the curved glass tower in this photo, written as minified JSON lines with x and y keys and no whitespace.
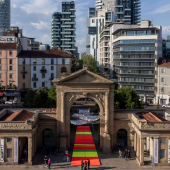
{"x":4,"y":16}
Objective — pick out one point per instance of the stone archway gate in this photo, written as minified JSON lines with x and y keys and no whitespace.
{"x":85,"y":84}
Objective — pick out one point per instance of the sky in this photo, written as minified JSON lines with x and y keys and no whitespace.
{"x":34,"y":17}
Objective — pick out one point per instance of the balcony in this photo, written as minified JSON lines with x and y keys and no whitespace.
{"x":72,"y":16}
{"x":51,"y":78}
{"x":34,"y":79}
{"x":119,"y":6}
{"x":23,"y":72}
{"x":43,"y":70}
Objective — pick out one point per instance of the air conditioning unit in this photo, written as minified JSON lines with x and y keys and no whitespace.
{"x":164,"y":61}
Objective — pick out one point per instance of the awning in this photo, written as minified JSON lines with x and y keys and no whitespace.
{"x":1,"y":93}
{"x":10,"y":94}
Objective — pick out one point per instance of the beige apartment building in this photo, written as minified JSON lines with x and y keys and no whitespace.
{"x":163,"y":82}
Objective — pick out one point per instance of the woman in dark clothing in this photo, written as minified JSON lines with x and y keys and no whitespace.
{"x":82,"y":165}
{"x":88,"y":163}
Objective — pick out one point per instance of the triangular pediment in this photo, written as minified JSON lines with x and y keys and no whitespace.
{"x":83,"y":76}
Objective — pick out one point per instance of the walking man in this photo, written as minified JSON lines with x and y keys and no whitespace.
{"x":120,"y":154}
{"x":88,"y":164}
{"x":82,"y":165}
{"x":125,"y":155}
{"x":46,"y":161}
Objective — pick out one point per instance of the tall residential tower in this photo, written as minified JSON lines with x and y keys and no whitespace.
{"x":63,"y":28}
{"x":4,"y":16}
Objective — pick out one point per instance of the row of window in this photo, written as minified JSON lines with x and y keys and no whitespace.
{"x":10,"y":75}
{"x":10,"y":61}
{"x":134,"y":41}
{"x":136,"y":72}
{"x":134,"y":56}
{"x":136,"y":79}
{"x":9,"y":52}
{"x":150,"y":48}
{"x":135,"y":64}
{"x":140,"y":87}
{"x":10,"y":68}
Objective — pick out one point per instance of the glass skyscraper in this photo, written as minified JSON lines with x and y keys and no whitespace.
{"x":63,"y":28}
{"x":4,"y":16}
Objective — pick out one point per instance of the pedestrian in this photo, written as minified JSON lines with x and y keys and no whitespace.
{"x":47,"y":151}
{"x":85,"y":165}
{"x":46,"y":160}
{"x":49,"y":163}
{"x":88,"y":164}
{"x":129,"y":154}
{"x":120,"y":153}
{"x":82,"y":165}
{"x":66,"y":152}
{"x":125,"y":155}
{"x":68,"y":157}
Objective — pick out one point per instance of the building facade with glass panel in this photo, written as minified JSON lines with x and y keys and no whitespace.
{"x":95,"y":22}
{"x":134,"y":52}
{"x":5,"y":13}
{"x":63,"y":28}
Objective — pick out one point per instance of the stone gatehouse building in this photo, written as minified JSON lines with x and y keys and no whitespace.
{"x":147,"y":131}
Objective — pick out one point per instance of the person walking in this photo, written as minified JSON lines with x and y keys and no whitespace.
{"x":88,"y":163}
{"x":129,"y":154}
{"x":49,"y":163}
{"x":46,"y":160}
{"x":120,"y":153}
{"x":125,"y":155}
{"x":68,"y":157}
{"x":82,"y":165}
{"x":85,"y":165}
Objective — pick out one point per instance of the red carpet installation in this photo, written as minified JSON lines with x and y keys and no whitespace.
{"x":84,"y":147}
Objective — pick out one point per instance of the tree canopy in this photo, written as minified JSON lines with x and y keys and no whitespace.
{"x":91,"y":63}
{"x":126,"y":98}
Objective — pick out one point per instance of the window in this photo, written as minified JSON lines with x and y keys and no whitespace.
{"x":43,"y":61}
{"x":63,"y":69}
{"x":92,"y":30}
{"x":0,"y":75}
{"x":43,"y":84}
{"x":91,"y":12}
{"x":9,"y":153}
{"x":0,"y":61}
{"x":162,"y":79}
{"x":23,"y":61}
{"x":163,"y":71}
{"x":52,"y":75}
{"x":10,"y":52}
{"x":34,"y":84}
{"x":0,"y":52}
{"x":63,"y":61}
{"x":35,"y":76}
{"x":10,"y":61}
{"x":163,"y":140}
{"x":52,"y":67}
{"x":23,"y":76}
{"x":34,"y":61}
{"x":43,"y":75}
{"x":93,"y":20}
{"x":52,"y":61}
{"x":23,"y":68}
{"x":162,"y":153}
{"x":9,"y":139}
{"x":10,"y":84}
{"x":23,"y":85}
{"x":34,"y":68}
{"x":162,"y":89}
{"x":10,"y":67}
{"x":10,"y":76}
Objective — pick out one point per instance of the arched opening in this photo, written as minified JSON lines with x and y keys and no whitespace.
{"x":48,"y":137}
{"x":122,"y":138}
{"x":85,"y":103}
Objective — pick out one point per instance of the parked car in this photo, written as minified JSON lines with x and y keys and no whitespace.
{"x":10,"y":102}
{"x":166,"y":106}
{"x":2,"y":102}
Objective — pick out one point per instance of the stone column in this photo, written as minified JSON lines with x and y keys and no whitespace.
{"x":148,"y":143}
{"x":135,"y":141}
{"x":107,"y":139}
{"x":30,"y":150}
{"x":138,"y":146}
{"x":62,"y":113}
{"x":142,"y":140}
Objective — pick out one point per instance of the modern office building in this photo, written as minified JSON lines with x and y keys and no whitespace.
{"x":95,"y":22}
{"x":127,"y":11}
{"x":63,"y":28}
{"x":5,"y":13}
{"x":34,"y":44}
{"x":44,"y":47}
{"x":166,"y":47}
{"x":132,"y":56}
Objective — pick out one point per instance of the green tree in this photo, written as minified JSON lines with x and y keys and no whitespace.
{"x":91,"y":63}
{"x":28,"y":100}
{"x":52,"y":97}
{"x":41,"y":98}
{"x":126,"y":98}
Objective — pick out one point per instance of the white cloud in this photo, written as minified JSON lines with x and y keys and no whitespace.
{"x":46,"y":38}
{"x":166,"y":30}
{"x":41,"y":25}
{"x":162,"y":9}
{"x":80,"y":41}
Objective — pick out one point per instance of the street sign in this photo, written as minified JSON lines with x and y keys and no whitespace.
{"x":158,"y":97}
